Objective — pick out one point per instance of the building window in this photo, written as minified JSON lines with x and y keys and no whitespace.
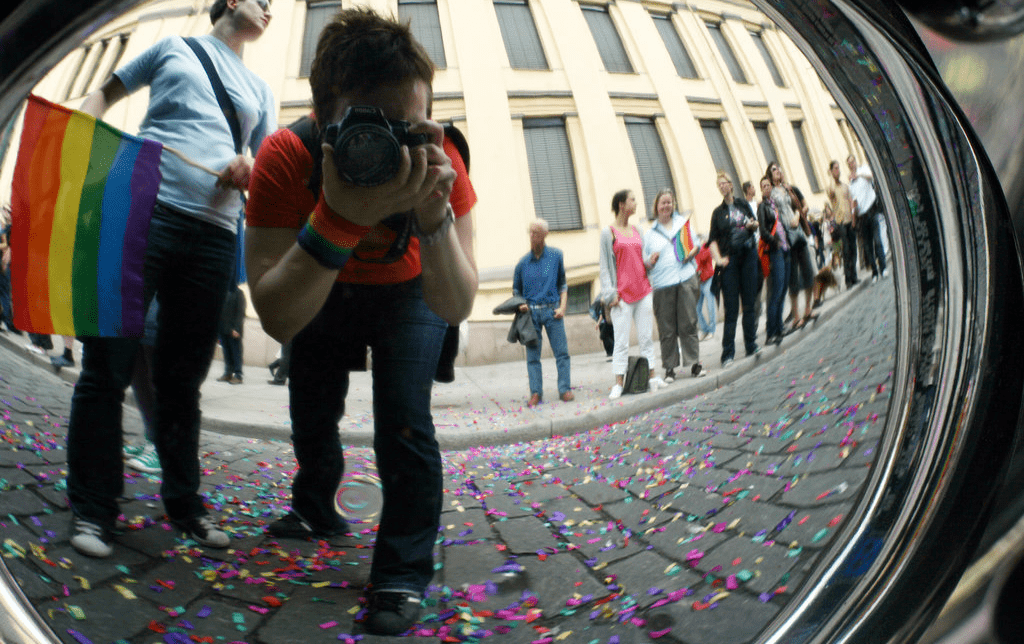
{"x":552,"y":174}
{"x":651,"y":162}
{"x":764,"y":137}
{"x":426,"y":27}
{"x":522,"y":43}
{"x":725,"y":49}
{"x":119,"y":44}
{"x":805,"y":154}
{"x":317,"y":16}
{"x":578,"y":300}
{"x":676,"y":49}
{"x":77,"y":76}
{"x":609,"y":45}
{"x":719,"y":149}
{"x":90,"y":79}
{"x":768,"y":60}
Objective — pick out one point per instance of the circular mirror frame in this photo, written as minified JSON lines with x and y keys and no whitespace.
{"x":956,"y":394}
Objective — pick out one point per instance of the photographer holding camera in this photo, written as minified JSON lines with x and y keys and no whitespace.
{"x":381,"y":258}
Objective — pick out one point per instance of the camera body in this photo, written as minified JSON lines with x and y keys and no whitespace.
{"x":368,"y":145}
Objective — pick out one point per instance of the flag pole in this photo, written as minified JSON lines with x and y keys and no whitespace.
{"x":190,"y":161}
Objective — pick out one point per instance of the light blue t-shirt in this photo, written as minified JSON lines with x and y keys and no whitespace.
{"x":184,"y":114}
{"x":668,"y":271}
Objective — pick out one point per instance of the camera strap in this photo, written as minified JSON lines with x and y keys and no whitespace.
{"x":226,"y":106}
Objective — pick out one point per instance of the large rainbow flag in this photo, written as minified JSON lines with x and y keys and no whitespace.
{"x":83,"y":195}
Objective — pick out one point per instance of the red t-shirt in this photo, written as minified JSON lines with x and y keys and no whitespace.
{"x":279,"y":198}
{"x":631,"y":275}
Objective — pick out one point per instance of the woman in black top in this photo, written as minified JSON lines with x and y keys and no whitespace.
{"x":733,"y":249}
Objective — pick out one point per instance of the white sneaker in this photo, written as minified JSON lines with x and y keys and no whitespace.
{"x":657,"y":383}
{"x":90,"y":538}
{"x":616,"y":392}
{"x":145,"y":461}
{"x":204,"y":531}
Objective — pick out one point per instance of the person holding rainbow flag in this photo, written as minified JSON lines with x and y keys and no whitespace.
{"x":670,"y":247}
{"x":190,"y":260}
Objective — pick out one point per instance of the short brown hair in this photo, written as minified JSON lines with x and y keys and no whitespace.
{"x":217,"y":10}
{"x":359,"y":50}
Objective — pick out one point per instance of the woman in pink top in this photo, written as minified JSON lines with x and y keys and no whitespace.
{"x":624,"y":287}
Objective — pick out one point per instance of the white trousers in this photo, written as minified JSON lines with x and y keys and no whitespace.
{"x":623,"y":317}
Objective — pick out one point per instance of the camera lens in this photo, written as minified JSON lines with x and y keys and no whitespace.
{"x":367,"y":156}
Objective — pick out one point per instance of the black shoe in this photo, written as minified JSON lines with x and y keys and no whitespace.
{"x":278,"y":382}
{"x":204,"y":531}
{"x":61,"y":361}
{"x":392,"y":612}
{"x":756,"y":351}
{"x":293,"y":526}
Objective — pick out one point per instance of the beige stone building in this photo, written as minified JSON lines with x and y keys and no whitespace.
{"x":563,"y":103}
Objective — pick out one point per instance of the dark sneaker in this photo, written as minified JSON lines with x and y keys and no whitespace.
{"x":204,"y":531}
{"x":90,"y":538}
{"x":392,"y":612}
{"x":293,"y":526}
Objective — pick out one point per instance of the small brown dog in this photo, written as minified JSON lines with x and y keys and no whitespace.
{"x":823,"y":281}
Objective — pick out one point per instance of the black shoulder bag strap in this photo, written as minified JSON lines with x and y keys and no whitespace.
{"x":223,"y":99}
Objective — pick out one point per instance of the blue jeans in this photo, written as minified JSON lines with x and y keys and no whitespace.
{"x":232,"y":349}
{"x":544,"y":318}
{"x":189,"y":263}
{"x":6,"y":309}
{"x":739,"y":284}
{"x":707,"y":324}
{"x":778,"y":282}
{"x":405,"y":337}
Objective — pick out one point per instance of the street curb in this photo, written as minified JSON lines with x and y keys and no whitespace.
{"x":627,"y":408}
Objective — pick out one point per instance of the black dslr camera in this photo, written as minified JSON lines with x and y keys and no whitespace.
{"x":368,"y":145}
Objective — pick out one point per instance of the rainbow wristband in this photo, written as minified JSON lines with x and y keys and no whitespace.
{"x":328,"y":237}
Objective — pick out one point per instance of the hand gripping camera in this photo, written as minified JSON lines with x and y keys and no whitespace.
{"x":368,"y":145}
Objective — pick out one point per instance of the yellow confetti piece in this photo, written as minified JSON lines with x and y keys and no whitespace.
{"x":83,"y":582}
{"x":321,"y":584}
{"x":124,"y":592}
{"x":563,"y":636}
{"x":353,"y":610}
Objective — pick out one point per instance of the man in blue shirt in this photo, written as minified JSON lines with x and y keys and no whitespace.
{"x":540,"y":280}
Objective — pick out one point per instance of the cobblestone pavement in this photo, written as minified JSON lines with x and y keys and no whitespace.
{"x":692,"y":523}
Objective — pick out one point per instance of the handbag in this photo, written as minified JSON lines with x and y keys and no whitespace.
{"x":764,"y":250}
{"x":797,"y":238}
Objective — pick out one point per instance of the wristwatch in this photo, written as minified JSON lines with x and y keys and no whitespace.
{"x":439,"y":233}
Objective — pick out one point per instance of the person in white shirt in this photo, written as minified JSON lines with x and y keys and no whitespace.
{"x":865,"y":206}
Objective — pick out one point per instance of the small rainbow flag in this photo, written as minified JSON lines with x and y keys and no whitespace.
{"x":684,"y":243}
{"x":83,"y":195}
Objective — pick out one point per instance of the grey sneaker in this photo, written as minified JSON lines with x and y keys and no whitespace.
{"x":392,"y":612}
{"x":204,"y":531}
{"x":90,"y":538}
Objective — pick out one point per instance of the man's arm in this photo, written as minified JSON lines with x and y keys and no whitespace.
{"x":450,"y":277}
{"x":288,"y":286}
{"x":99,"y":101}
{"x":563,"y":289}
